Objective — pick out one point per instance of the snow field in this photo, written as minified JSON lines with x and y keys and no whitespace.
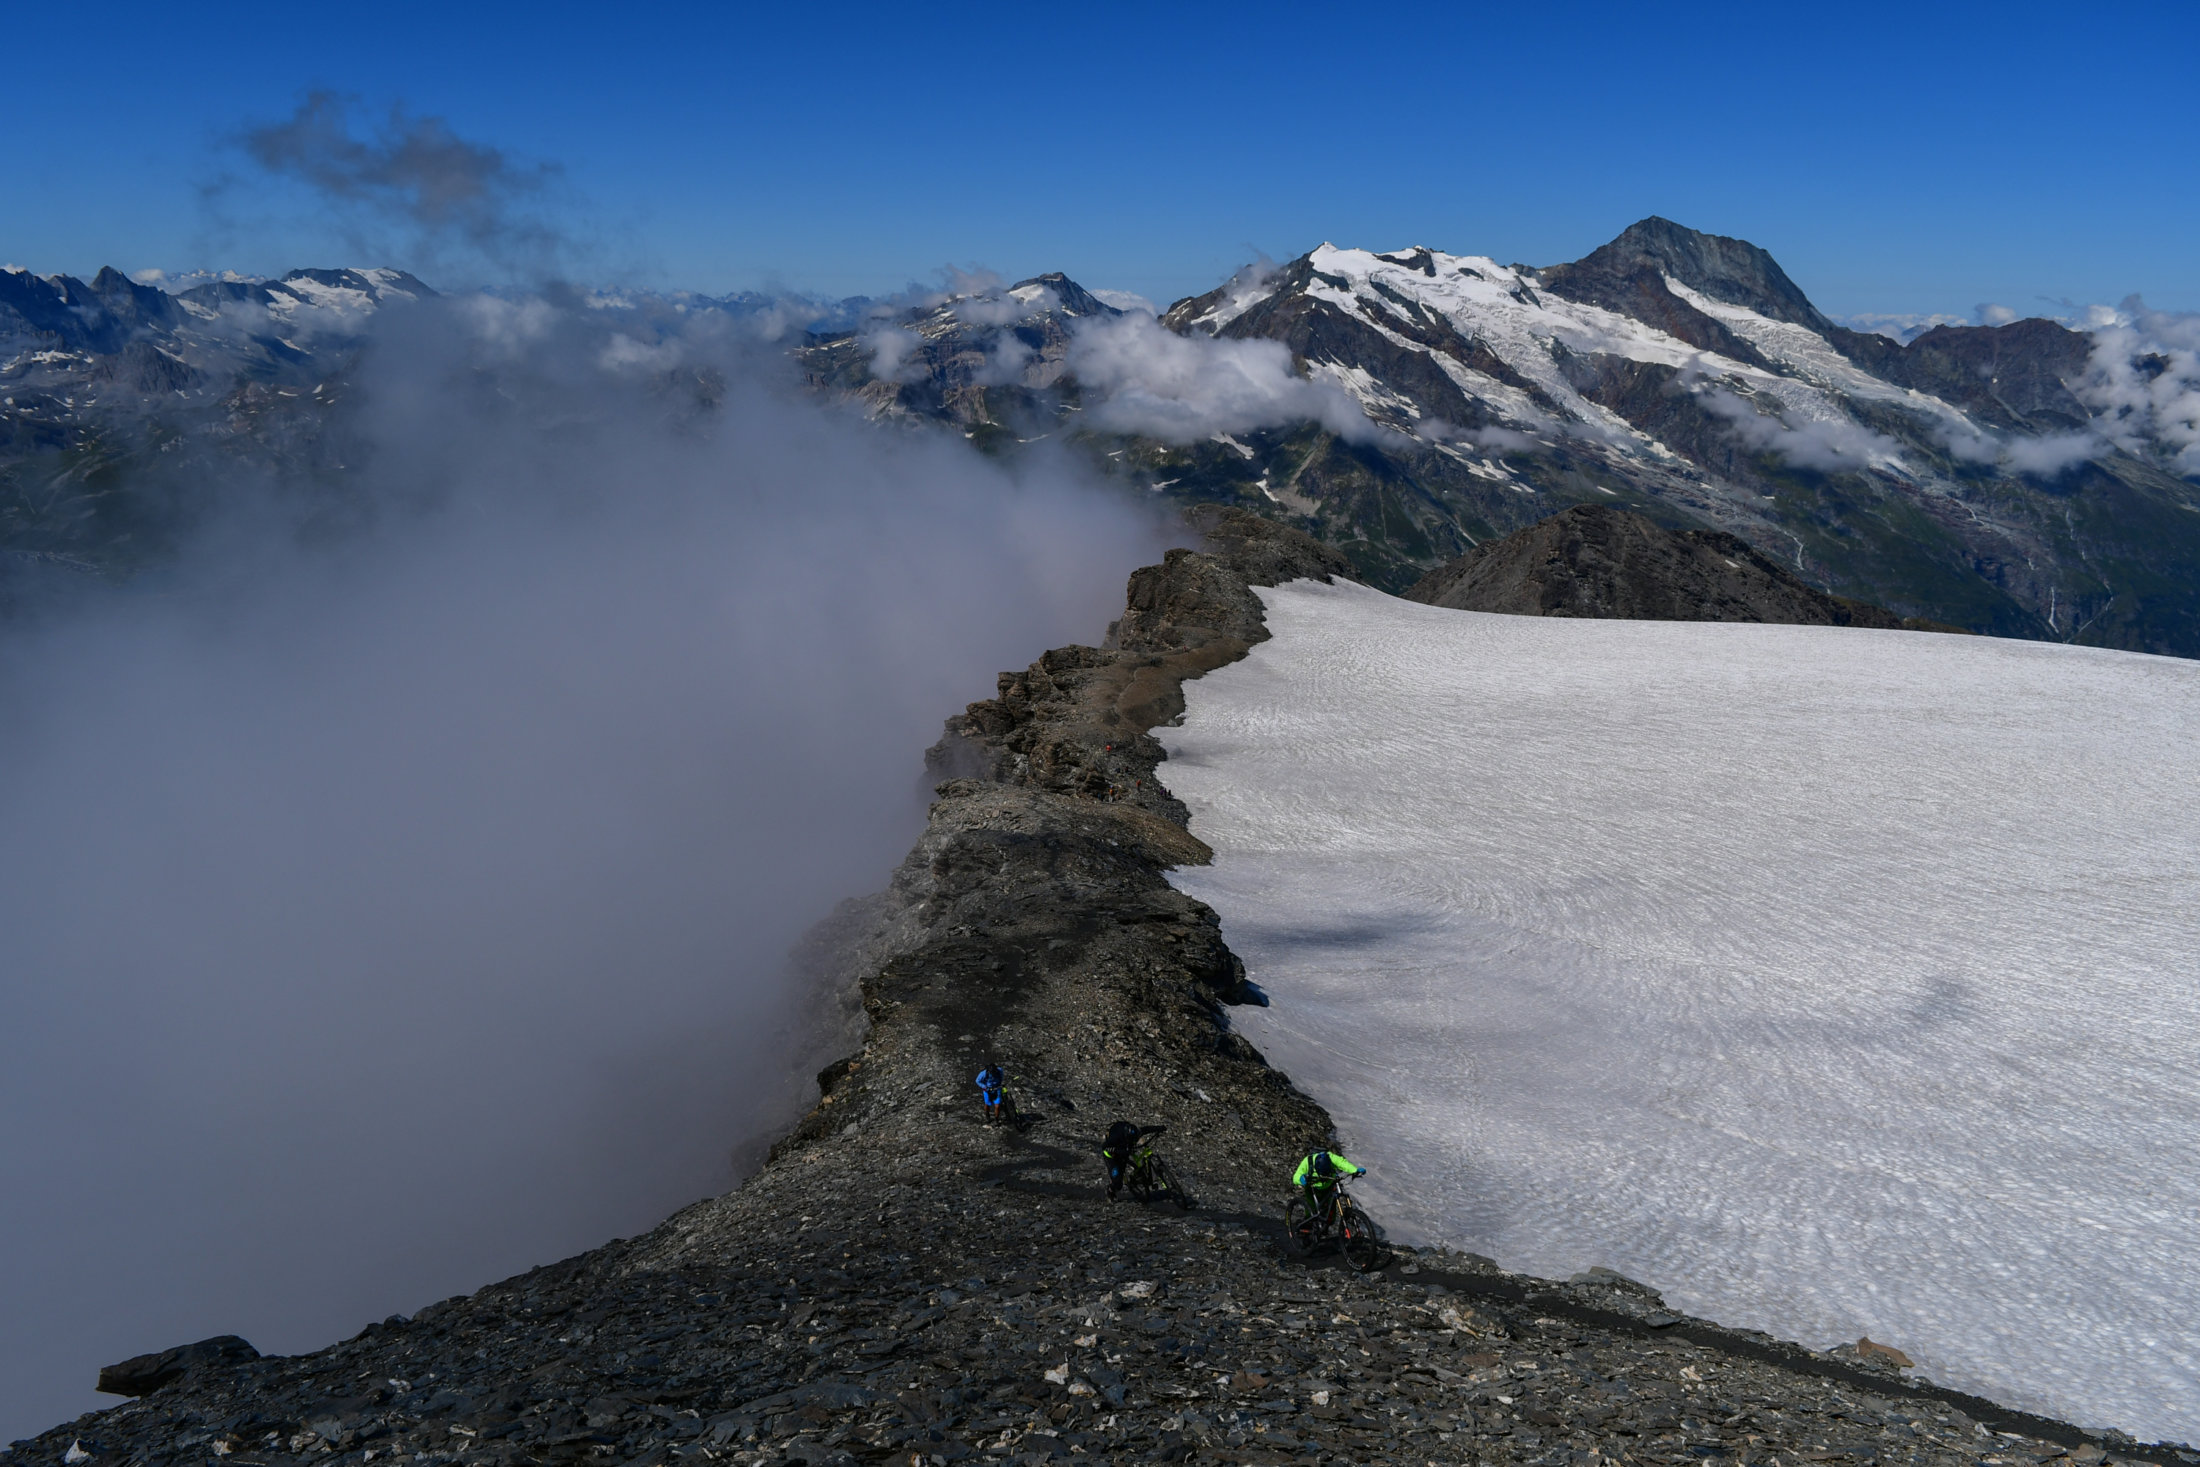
{"x":1831,"y":981}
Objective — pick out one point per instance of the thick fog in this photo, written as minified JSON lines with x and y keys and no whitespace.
{"x":397,"y":888}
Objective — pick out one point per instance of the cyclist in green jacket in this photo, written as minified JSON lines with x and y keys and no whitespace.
{"x":1319,"y":1172}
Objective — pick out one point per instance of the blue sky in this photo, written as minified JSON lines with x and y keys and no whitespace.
{"x":1901,"y":158}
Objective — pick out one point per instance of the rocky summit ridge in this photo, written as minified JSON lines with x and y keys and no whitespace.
{"x":900,"y":1284}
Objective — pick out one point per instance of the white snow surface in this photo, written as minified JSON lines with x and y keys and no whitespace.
{"x":1834,"y":982}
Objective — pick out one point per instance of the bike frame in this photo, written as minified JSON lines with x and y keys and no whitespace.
{"x":1325,"y":1222}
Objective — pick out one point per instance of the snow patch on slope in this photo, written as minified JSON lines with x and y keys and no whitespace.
{"x":1833,"y":981}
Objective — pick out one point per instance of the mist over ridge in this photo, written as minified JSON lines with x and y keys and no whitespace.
{"x":400,"y":874}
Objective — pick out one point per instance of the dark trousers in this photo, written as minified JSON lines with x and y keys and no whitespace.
{"x":1319,"y":1202}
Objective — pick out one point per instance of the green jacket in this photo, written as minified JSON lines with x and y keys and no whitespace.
{"x":1305,"y":1176}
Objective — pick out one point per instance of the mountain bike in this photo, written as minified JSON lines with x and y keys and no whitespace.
{"x":997,"y":1108}
{"x":1343,"y":1224}
{"x":1148,"y":1177}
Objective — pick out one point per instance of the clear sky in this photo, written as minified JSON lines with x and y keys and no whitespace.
{"x":1905,"y":157}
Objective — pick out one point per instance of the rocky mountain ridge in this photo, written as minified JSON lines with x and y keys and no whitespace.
{"x":2021,"y":480}
{"x":1595,"y":560}
{"x":902,"y":1284}
{"x":120,"y":403}
{"x":1990,"y":477}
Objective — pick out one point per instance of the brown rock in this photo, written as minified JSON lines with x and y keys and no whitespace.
{"x":1870,"y":1349}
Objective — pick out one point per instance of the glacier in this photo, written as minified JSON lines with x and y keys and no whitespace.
{"x":1834,"y":982}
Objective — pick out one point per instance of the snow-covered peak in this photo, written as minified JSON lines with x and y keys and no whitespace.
{"x":345,"y":290}
{"x":1428,"y":341}
{"x":1496,"y":304}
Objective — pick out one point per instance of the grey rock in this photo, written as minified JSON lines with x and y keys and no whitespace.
{"x":1600,"y":561}
{"x":143,"y":1374}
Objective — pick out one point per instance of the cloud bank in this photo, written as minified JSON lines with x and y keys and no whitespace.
{"x":1827,"y":445}
{"x":2144,"y":382}
{"x":1181,"y":389}
{"x":397,"y":891}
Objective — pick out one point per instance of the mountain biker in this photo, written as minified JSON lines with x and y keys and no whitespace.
{"x":1317,"y":1176}
{"x":1122,"y":1141}
{"x":991,"y":1079}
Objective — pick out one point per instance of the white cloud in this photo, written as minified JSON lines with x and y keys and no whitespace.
{"x":2045,"y":457}
{"x":2143,"y":381}
{"x":507,"y":330}
{"x":1989,"y":314}
{"x":1493,"y":437}
{"x":1005,"y":361}
{"x":1829,"y":445}
{"x":1903,"y":326}
{"x":784,"y":317}
{"x":1240,"y":293}
{"x":997,"y":307}
{"x":1181,"y":389}
{"x":622,"y":353}
{"x":977,"y":280}
{"x":891,"y":350}
{"x":1126,"y":300}
{"x":1502,"y":440}
{"x":503,"y":798}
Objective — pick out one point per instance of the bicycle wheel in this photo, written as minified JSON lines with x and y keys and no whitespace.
{"x":1356,"y":1239}
{"x":1298,"y":1228}
{"x":1165,"y":1180}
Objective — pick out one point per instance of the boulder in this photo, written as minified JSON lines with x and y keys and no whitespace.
{"x":143,"y":1374}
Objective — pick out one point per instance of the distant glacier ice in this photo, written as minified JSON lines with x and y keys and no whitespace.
{"x":1835,"y":982}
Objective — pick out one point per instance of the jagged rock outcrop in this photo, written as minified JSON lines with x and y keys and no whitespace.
{"x":141,"y":1375}
{"x":902,"y":1285}
{"x":1599,"y":561}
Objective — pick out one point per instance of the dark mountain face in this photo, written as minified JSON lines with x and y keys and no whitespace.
{"x":1730,"y":270}
{"x":2015,"y":376}
{"x":1596,"y":561}
{"x":100,"y":317}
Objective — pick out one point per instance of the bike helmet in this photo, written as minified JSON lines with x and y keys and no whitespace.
{"x":1323,"y":1166}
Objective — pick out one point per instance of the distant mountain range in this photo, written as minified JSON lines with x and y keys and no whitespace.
{"x":1990,"y":477}
{"x":2022,"y":480}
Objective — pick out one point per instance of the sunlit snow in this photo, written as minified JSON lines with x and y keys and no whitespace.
{"x":1832,"y":981}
